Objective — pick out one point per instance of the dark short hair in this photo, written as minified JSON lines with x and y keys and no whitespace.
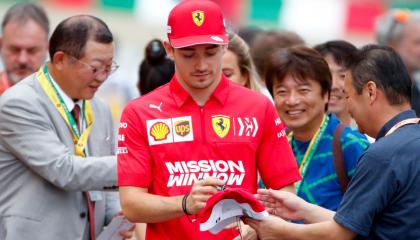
{"x":266,"y":43}
{"x":72,"y":34}
{"x":248,"y":34}
{"x":302,"y":63}
{"x":23,"y":12}
{"x":382,"y":65}
{"x":156,"y":68}
{"x":341,"y":51}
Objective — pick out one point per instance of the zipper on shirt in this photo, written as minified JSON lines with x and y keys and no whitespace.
{"x":203,"y":127}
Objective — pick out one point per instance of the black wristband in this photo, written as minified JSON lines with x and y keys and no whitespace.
{"x":184,"y":208}
{"x":184,"y":204}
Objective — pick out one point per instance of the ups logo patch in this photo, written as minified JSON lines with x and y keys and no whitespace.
{"x":182,"y":128}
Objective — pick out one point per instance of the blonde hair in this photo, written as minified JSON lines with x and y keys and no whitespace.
{"x":239,"y":47}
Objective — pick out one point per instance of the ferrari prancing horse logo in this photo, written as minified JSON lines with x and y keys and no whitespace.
{"x":221,"y":125}
{"x":198,"y":17}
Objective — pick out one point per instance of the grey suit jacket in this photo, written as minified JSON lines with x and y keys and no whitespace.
{"x":41,"y":180}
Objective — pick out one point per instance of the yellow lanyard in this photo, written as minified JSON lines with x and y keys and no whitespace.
{"x":79,"y":140}
{"x":310,"y":151}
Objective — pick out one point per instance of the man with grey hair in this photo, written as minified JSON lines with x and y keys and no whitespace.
{"x":24,"y":42}
{"x":400,"y":29}
{"x":57,"y":149}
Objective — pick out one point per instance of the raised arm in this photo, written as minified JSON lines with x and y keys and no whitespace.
{"x":276,"y":228}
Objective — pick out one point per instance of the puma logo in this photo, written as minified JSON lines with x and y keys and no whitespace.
{"x":156,"y":107}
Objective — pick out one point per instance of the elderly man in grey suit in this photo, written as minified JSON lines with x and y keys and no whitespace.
{"x":55,"y":161}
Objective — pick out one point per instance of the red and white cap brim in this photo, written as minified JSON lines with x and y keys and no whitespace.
{"x":227,"y":211}
{"x":199,"y":39}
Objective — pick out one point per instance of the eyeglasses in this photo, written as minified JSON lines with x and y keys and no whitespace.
{"x":99,"y":72}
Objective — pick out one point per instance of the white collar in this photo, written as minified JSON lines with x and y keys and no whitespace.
{"x":66,"y":99}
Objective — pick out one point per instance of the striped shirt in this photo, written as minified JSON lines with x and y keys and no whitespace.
{"x":320,"y":185}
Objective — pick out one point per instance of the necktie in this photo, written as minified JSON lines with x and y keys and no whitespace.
{"x":91,"y":207}
{"x":76,"y":114}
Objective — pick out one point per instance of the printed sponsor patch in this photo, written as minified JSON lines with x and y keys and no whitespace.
{"x":281,"y":134}
{"x":121,"y":137}
{"x":277,"y":121}
{"x":122,"y":150}
{"x":221,"y":125}
{"x":157,"y":107}
{"x":198,"y":17}
{"x":179,"y":129}
{"x":159,"y":131}
{"x":183,"y":129}
{"x":248,"y":126}
{"x":216,"y":38}
{"x":185,"y":173}
{"x":123,"y":125}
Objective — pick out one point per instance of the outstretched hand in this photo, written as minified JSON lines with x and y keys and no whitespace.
{"x":282,"y":204}
{"x":267,"y":229}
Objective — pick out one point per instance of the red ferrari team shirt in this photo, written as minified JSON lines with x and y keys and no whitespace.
{"x":167,"y":142}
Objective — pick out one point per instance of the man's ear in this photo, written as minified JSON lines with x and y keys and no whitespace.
{"x":371,"y":91}
{"x":169,"y":49}
{"x":1,"y":42}
{"x":58,"y":59}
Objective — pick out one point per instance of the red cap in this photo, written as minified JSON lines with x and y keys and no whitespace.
{"x":193,"y":22}
{"x":224,"y":207}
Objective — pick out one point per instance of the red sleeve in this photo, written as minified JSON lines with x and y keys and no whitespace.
{"x":134,"y":159}
{"x":276,"y":162}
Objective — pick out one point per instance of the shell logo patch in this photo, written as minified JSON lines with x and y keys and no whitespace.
{"x":198,"y":17}
{"x":221,"y":125}
{"x":159,"y":131}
